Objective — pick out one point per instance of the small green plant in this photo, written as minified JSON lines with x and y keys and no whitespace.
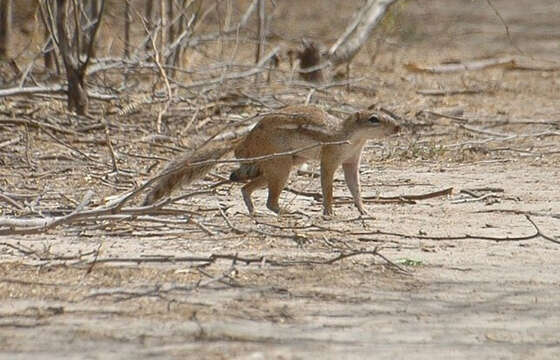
{"x":409,"y":262}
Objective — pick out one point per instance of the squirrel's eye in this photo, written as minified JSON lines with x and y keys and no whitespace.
{"x":374,"y":119}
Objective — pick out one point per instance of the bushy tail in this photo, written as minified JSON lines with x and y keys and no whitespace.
{"x":185,"y":170}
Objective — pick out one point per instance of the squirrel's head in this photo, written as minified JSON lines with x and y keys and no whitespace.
{"x":374,"y":122}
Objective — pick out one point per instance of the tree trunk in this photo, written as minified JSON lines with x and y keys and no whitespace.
{"x":78,"y":100}
{"x":75,"y":65}
{"x":5,"y":28}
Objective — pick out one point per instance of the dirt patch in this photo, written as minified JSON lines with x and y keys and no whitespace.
{"x":469,"y":275}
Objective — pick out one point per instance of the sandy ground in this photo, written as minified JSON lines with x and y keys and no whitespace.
{"x":460,"y":298}
{"x":474,"y":274}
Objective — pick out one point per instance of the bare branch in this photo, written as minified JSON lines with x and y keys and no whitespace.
{"x":506,"y":27}
{"x":358,"y":31}
{"x":91,"y":44}
{"x":56,"y":89}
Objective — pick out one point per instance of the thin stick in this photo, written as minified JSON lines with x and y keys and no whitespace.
{"x":161,"y":70}
{"x":505,"y":26}
{"x":11,"y":201}
{"x":261,"y":33}
{"x":111,"y":150}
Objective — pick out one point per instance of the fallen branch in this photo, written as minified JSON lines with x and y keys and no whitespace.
{"x":460,"y":66}
{"x":509,"y":63}
{"x":444,"y":192}
{"x":381,"y":199}
{"x":447,"y":116}
{"x":448,"y":92}
{"x":10,"y":142}
{"x":261,"y":260}
{"x":520,"y":212}
{"x":474,"y":199}
{"x":159,"y":290}
{"x":483,"y":132}
{"x":11,"y":201}
{"x":537,"y":234}
{"x":15,"y":226}
{"x":56,"y":89}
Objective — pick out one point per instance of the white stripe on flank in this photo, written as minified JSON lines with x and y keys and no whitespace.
{"x":308,"y":127}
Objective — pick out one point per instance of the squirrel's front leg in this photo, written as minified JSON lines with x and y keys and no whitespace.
{"x":351,"y":169}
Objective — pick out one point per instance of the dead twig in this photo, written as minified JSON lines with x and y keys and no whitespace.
{"x":260,"y":67}
{"x":56,"y":139}
{"x":506,"y":27}
{"x":37,"y":124}
{"x":228,"y":222}
{"x":519,"y":212}
{"x":10,"y":142}
{"x":483,"y":132}
{"x":35,"y":226}
{"x":57,"y":89}
{"x":474,"y":199}
{"x":125,"y":294}
{"x":11,"y":201}
{"x":95,"y":256}
{"x":163,"y":75}
{"x":537,"y":234}
{"x":540,"y":233}
{"x":443,"y":192}
{"x":111,"y":150}
{"x":447,"y":116}
{"x":260,"y":260}
{"x":382,"y":199}
{"x":448,"y":92}
{"x":23,"y":249}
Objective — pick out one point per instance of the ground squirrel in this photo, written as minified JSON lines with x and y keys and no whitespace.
{"x":286,"y":130}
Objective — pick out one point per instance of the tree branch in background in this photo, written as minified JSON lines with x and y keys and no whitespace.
{"x":359,"y":30}
{"x":312,"y":60}
{"x":71,"y":47}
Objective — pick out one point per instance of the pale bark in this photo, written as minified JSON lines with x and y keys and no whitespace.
{"x":358,"y":31}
